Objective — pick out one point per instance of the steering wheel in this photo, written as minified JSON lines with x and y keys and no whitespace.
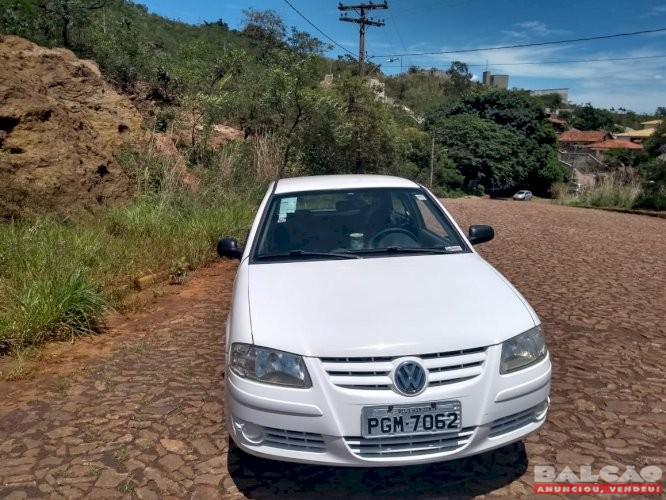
{"x":390,"y":230}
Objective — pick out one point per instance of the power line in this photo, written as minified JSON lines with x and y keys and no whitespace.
{"x":394,"y":25}
{"x":317,"y":28}
{"x":571,"y":61}
{"x":521,"y":45}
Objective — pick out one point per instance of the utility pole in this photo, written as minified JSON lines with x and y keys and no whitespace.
{"x":363,"y":21}
{"x":432,"y":160}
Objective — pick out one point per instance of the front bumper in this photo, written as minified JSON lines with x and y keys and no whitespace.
{"x":322,"y":425}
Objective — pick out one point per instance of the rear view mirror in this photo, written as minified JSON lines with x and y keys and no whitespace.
{"x":228,"y":247}
{"x":480,"y":234}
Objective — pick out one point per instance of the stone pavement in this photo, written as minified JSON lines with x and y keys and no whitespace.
{"x":146,"y":421}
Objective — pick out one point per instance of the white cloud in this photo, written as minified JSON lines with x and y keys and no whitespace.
{"x":530,"y":29}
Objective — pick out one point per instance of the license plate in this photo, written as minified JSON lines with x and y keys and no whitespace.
{"x":421,"y":418}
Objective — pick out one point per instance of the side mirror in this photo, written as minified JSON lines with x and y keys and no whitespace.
{"x":480,"y":234}
{"x":228,"y":247}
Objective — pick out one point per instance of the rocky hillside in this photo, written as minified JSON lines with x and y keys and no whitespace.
{"x":60,"y":124}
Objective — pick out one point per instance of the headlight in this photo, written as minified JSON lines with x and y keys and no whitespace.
{"x":269,"y":366}
{"x":523,"y":350}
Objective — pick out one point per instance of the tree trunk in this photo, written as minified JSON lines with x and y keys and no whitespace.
{"x":65,"y":34}
{"x":66,"y":24}
{"x":287,"y":149}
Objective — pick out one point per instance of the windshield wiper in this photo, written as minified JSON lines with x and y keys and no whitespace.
{"x":304,"y":253}
{"x":397,"y":250}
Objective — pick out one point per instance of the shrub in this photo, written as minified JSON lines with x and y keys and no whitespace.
{"x":608,"y":192}
{"x":653,"y":195}
{"x":651,"y":202}
{"x":558,"y":191}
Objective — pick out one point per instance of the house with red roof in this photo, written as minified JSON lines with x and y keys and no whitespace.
{"x":614,"y":144}
{"x":574,"y":139}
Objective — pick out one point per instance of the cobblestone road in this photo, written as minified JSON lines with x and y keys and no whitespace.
{"x":146,"y":421}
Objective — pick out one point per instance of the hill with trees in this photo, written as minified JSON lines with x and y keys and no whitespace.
{"x":265,"y":80}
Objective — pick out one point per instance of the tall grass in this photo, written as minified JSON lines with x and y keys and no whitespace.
{"x":611,"y":193}
{"x":57,"y":277}
{"x":608,"y":192}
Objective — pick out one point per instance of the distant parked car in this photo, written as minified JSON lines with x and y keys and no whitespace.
{"x":523,"y":195}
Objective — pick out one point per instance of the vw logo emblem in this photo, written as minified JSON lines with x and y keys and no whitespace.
{"x":409,"y":378}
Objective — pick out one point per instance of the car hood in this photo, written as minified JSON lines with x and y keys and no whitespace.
{"x":388,"y":306}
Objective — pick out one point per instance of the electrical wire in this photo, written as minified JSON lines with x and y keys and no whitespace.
{"x":570,"y":61}
{"x":319,"y":30}
{"x":522,"y":45}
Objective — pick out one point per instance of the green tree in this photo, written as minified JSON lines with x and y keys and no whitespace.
{"x":509,"y":108}
{"x":482,"y":151}
{"x":655,"y":145}
{"x":551,"y":101}
{"x":588,"y":117}
{"x":653,"y":195}
{"x":70,"y":14}
{"x":264,"y":26}
{"x":460,"y":76}
{"x":369,"y":130}
{"x":304,"y":44}
{"x":416,"y":165}
{"x":20,"y":17}
{"x":505,"y":139}
{"x":420,"y":91}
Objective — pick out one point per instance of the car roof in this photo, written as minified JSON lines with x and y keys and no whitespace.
{"x":332,"y":182}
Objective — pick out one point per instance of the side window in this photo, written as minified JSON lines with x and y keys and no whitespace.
{"x":429,"y":220}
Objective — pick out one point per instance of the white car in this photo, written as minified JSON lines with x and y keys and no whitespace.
{"x":523,"y":195}
{"x":366,"y":331}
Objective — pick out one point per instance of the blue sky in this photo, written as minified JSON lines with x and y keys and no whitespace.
{"x":431,"y":25}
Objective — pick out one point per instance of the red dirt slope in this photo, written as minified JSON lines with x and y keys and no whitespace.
{"x":60,"y":125}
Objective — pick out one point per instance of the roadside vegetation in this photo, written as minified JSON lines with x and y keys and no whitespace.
{"x":637,"y":180}
{"x":608,"y":192}
{"x":57,"y":277}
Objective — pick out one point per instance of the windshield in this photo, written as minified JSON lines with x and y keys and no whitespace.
{"x":349,"y":224}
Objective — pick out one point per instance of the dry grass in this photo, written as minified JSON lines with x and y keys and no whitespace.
{"x":608,"y":192}
{"x":267,"y":157}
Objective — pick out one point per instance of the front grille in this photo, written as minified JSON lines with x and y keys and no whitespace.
{"x":294,"y":440}
{"x":517,"y":420}
{"x":374,"y":373}
{"x":406,"y":446}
